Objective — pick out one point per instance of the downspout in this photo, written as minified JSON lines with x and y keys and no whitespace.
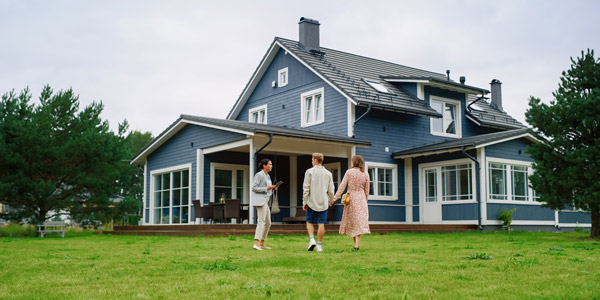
{"x":362,"y":116}
{"x":462,"y":149}
{"x":260,"y":149}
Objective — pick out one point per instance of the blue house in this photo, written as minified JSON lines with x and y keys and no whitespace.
{"x":437,"y":151}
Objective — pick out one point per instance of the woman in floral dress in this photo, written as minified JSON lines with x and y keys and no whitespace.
{"x":355,"y":219}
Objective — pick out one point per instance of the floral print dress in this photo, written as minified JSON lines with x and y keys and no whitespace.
{"x":355,"y":219}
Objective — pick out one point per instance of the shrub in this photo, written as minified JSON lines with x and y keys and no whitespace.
{"x":16,"y":230}
{"x":506,"y":217}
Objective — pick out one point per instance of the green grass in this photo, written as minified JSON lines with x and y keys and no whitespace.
{"x":395,"y":266}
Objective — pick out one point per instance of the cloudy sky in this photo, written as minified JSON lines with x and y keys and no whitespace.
{"x":150,"y":61}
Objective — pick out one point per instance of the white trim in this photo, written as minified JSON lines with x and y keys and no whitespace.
{"x":433,"y":152}
{"x":386,"y":204}
{"x":408,"y":189}
{"x":317,"y":73}
{"x":250,"y":177}
{"x":523,"y":222}
{"x":497,"y":201}
{"x":421,"y":91}
{"x":303,"y":107}
{"x":293,"y":185}
{"x":351,"y":116}
{"x":170,"y":170}
{"x":227,"y":146}
{"x":511,"y":162}
{"x":394,"y":167}
{"x":174,"y":129}
{"x":556,"y":218}
{"x":573,"y":225}
{"x":473,"y":120}
{"x":482,"y":185}
{"x":459,"y":222}
{"x":145,"y":194}
{"x":525,"y":135}
{"x":200,"y":176}
{"x":231,"y":167}
{"x":287,"y":79}
{"x":335,"y":165}
{"x":458,"y":120}
{"x":257,"y":109}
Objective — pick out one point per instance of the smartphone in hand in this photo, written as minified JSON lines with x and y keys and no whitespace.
{"x":279,"y":183}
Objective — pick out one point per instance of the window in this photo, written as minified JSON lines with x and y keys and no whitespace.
{"x":171,"y":197}
{"x":228,"y":181}
{"x":282,"y":77}
{"x":448,"y":183}
{"x":510,"y":181}
{"x":378,"y":86}
{"x":382,"y":181}
{"x":449,"y":125}
{"x":313,"y":106}
{"x":258,"y":114}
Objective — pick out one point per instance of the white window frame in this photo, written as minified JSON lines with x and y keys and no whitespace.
{"x":257,"y":110}
{"x":283,"y":80}
{"x":303,"y":97}
{"x":394,"y":168}
{"x":438,"y":167}
{"x":509,"y":188}
{"x":458,"y":125}
{"x":170,"y":170}
{"x":335,"y":166}
{"x":234,"y":169}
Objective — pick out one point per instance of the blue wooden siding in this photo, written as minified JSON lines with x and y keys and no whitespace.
{"x":283,"y":103}
{"x":179,"y":150}
{"x":522,"y":212}
{"x":574,"y":217}
{"x":514,"y":150}
{"x":458,"y":212}
{"x":387,"y":213}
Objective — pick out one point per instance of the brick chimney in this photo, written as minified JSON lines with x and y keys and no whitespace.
{"x":309,"y":34}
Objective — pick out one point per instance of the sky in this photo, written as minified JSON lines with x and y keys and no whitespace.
{"x":150,"y":61}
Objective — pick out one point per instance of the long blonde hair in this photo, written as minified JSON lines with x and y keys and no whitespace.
{"x":358,"y":162}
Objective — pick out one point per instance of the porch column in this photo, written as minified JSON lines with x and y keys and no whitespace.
{"x":199,"y":178}
{"x":408,"y":192}
{"x":293,"y":185}
{"x":251,"y":175}
{"x":482,"y":185}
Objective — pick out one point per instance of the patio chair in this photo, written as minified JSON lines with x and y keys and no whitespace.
{"x":233,"y":209}
{"x":204,"y":212}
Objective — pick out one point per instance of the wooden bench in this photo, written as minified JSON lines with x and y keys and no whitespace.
{"x":301,"y":216}
{"x":52,"y":226}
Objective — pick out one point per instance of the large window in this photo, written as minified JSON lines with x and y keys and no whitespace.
{"x":449,"y":125}
{"x":383,"y":181}
{"x":510,"y":181}
{"x":171,"y":197}
{"x":258,"y":115}
{"x":448,"y":183}
{"x":313,"y":107}
{"x":228,"y":181}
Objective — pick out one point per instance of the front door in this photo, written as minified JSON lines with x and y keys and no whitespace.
{"x":335,"y":169}
{"x":432,"y":206}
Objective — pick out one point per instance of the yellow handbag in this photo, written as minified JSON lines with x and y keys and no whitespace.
{"x":346,"y":198}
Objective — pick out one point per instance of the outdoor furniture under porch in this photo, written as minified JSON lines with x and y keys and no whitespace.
{"x":214,"y":212}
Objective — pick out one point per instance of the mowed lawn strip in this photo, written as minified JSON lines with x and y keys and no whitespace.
{"x":470,"y":265}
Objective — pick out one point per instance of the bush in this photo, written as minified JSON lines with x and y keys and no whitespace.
{"x":506,"y":217}
{"x":16,"y":230}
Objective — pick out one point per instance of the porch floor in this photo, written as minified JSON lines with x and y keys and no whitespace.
{"x":276,"y":229}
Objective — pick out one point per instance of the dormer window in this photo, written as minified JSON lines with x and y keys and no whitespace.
{"x":449,"y":125}
{"x":282,"y":77}
{"x":313,"y":107}
{"x":258,"y":115}
{"x":378,"y":86}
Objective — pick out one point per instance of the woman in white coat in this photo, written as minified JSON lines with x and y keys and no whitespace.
{"x":262,"y":189}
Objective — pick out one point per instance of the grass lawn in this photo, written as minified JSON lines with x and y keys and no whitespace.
{"x":394,"y":266}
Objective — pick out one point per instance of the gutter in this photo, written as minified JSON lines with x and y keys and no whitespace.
{"x":260,"y":149}
{"x":362,"y":116}
{"x":462,"y":149}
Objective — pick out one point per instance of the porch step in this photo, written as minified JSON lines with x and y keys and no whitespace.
{"x":276,"y":229}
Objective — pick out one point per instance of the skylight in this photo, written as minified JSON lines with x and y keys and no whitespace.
{"x":378,"y":86}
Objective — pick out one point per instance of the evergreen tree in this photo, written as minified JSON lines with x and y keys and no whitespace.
{"x":54,"y":157}
{"x":567,"y":164}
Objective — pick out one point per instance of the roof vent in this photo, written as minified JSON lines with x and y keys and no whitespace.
{"x":309,"y":35}
{"x":463,"y":79}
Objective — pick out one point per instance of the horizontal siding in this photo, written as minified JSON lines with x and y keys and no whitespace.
{"x":514,"y":149}
{"x":178,"y":150}
{"x":284,"y":103}
{"x":387,"y":213}
{"x":574,"y":217}
{"x":457,"y":212}
{"x":522,"y":212}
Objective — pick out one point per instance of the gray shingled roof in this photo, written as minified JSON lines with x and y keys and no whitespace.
{"x":253,"y":128}
{"x":456,"y":144}
{"x":347,"y":72}
{"x":485,"y":114}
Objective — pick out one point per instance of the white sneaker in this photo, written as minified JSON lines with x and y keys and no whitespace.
{"x":319,"y":248}
{"x":311,"y":245}
{"x":257,"y":248}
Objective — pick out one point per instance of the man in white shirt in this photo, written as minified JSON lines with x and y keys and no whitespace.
{"x":317,"y":195}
